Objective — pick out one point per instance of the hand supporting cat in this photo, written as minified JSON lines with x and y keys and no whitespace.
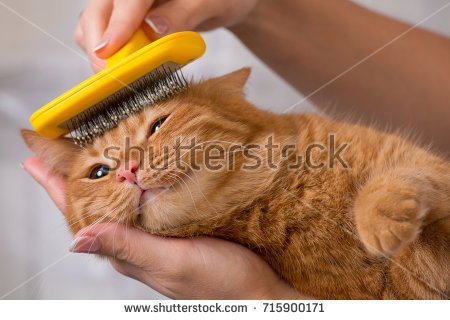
{"x":194,"y":268}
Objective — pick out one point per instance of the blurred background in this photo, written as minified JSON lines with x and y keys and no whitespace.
{"x":38,"y":61}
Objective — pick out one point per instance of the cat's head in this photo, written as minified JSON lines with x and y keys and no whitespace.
{"x":154,"y":170}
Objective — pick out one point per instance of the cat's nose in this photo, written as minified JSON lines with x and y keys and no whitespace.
{"x":128,"y":172}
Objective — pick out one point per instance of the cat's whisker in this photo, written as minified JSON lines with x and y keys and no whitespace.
{"x":69,"y":205}
{"x":197,"y":184}
{"x":101,"y":221}
{"x":70,"y":222}
{"x":123,"y":214}
{"x":82,"y":203}
{"x":103,"y":217}
{"x":213,"y":217}
{"x":95,"y":210}
{"x":84,"y":217}
{"x":93,"y":196}
{"x":126,"y":231}
{"x":190,"y":193}
{"x":179,"y":181}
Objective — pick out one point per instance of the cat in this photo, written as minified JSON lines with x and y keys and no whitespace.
{"x":349,"y":213}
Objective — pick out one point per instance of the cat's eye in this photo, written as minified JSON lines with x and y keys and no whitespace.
{"x":157,"y":125}
{"x":99,"y":171}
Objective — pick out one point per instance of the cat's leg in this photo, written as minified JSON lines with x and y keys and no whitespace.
{"x":405,"y":214}
{"x":394,"y":205}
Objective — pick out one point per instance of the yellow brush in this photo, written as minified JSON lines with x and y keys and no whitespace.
{"x":141,"y":73}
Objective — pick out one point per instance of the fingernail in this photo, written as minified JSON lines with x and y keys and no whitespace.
{"x":158,"y":25}
{"x":101,"y":45}
{"x":21,"y":165}
{"x":85,"y":245}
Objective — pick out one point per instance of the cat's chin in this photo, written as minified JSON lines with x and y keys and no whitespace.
{"x":150,"y":195}
{"x":187,"y":229}
{"x":151,"y":202}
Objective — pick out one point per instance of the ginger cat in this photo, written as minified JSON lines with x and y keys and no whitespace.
{"x":345,"y":212}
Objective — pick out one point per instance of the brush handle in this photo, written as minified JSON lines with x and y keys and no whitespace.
{"x":137,"y":41}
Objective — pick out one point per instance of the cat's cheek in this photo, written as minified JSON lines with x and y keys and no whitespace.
{"x":72,"y":221}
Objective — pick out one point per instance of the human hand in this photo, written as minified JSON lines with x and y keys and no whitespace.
{"x":196,"y":268}
{"x":106,"y":25}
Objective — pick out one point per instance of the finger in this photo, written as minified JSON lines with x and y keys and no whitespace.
{"x":128,"y":269}
{"x":78,"y":35}
{"x":126,"y":17}
{"x":180,"y":15}
{"x":150,"y":259}
{"x":54,"y":184}
{"x":123,"y":243}
{"x":153,"y":280}
{"x":94,"y":21}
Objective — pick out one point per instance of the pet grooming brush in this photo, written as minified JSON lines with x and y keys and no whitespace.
{"x":141,"y":73}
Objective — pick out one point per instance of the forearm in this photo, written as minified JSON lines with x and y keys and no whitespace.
{"x":367,"y":65}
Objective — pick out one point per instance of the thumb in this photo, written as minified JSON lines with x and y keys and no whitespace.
{"x":123,"y":243}
{"x":180,"y":15}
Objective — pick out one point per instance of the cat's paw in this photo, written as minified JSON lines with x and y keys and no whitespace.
{"x":387,"y":221}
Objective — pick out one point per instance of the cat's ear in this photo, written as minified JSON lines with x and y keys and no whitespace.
{"x":57,"y":154}
{"x":232,"y":83}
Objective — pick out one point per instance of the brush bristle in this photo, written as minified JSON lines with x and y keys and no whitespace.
{"x":157,"y":86}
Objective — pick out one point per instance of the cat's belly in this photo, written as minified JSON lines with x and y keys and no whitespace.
{"x":325,"y":272}
{"x":331,"y":265}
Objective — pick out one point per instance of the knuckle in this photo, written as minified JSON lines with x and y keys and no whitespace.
{"x":121,"y":247}
{"x":83,"y":19}
{"x":117,"y":266}
{"x":78,"y":38}
{"x":121,"y":268}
